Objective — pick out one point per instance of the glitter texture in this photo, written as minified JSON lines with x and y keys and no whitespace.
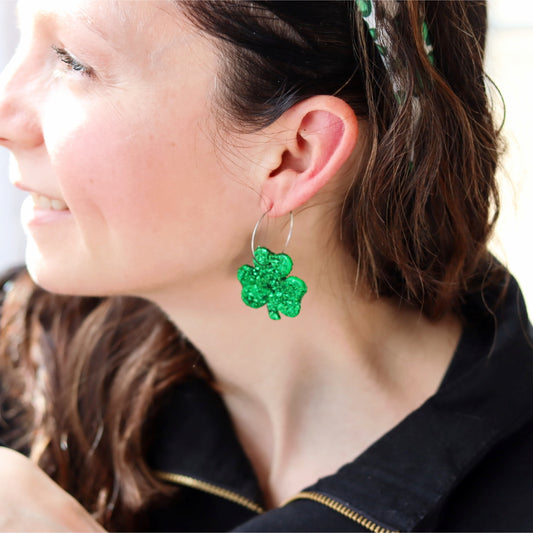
{"x":266,"y":283}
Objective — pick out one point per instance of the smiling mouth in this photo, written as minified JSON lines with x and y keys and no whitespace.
{"x":44,"y":202}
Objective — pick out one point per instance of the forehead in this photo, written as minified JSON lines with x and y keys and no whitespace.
{"x":73,"y":10}
{"x":152,"y":30}
{"x":107,"y":18}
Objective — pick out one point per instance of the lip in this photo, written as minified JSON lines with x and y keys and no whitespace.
{"x":25,"y":188}
{"x":33,"y":216}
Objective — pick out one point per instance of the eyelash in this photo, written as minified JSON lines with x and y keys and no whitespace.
{"x":66,"y":58}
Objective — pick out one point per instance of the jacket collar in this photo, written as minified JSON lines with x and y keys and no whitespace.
{"x":401,"y":480}
{"x":194,"y":437}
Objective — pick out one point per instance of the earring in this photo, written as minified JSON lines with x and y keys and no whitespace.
{"x":268,"y":281}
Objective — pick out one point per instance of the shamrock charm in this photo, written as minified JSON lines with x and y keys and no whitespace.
{"x":267,"y":283}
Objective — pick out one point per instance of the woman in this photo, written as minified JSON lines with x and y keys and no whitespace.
{"x":375,"y":376}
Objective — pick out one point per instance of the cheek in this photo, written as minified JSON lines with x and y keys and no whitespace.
{"x":135,"y":188}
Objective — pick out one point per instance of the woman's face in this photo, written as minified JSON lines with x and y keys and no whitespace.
{"x":107,"y":108}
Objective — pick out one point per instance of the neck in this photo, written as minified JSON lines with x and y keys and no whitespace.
{"x":291,"y":384}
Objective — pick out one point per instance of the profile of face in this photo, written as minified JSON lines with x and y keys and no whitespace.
{"x":107,"y":108}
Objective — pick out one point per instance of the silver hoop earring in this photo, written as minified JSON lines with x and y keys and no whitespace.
{"x":268,"y":281}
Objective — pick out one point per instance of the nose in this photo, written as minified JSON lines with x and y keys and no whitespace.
{"x":19,"y":102}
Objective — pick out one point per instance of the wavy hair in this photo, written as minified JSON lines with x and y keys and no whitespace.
{"x":82,"y":377}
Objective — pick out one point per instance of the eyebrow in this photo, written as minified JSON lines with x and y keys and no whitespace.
{"x":93,"y":26}
{"x":90,"y":24}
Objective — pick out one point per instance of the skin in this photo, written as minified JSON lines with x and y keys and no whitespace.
{"x":44,"y":507}
{"x":161,"y":204}
{"x":139,"y":116}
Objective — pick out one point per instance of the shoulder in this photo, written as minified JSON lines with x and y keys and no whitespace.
{"x":496,"y":494}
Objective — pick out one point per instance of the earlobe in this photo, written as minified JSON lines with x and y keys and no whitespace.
{"x":319,"y":134}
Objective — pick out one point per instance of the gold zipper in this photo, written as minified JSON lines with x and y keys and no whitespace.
{"x":197,"y":484}
{"x":180,"y":479}
{"x":342,"y":509}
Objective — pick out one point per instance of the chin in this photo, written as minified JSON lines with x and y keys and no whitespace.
{"x":53,"y":283}
{"x":72,"y":280}
{"x":61,"y":281}
{"x":65,"y":275}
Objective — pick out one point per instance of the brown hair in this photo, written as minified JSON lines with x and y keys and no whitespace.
{"x":418,"y":219}
{"x":82,"y":377}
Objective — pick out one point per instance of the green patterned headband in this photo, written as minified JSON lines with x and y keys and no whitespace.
{"x":382,"y":39}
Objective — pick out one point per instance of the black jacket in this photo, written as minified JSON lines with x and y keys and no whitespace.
{"x":463,"y":461}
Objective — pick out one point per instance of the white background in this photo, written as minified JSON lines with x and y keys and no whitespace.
{"x":510,"y":65}
{"x":11,"y":235}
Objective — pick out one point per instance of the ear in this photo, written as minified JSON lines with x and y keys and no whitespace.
{"x":314,"y":139}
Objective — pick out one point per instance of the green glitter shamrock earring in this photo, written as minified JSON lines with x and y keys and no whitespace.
{"x":268,"y":281}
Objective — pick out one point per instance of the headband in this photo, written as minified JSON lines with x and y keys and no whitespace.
{"x":382,"y":41}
